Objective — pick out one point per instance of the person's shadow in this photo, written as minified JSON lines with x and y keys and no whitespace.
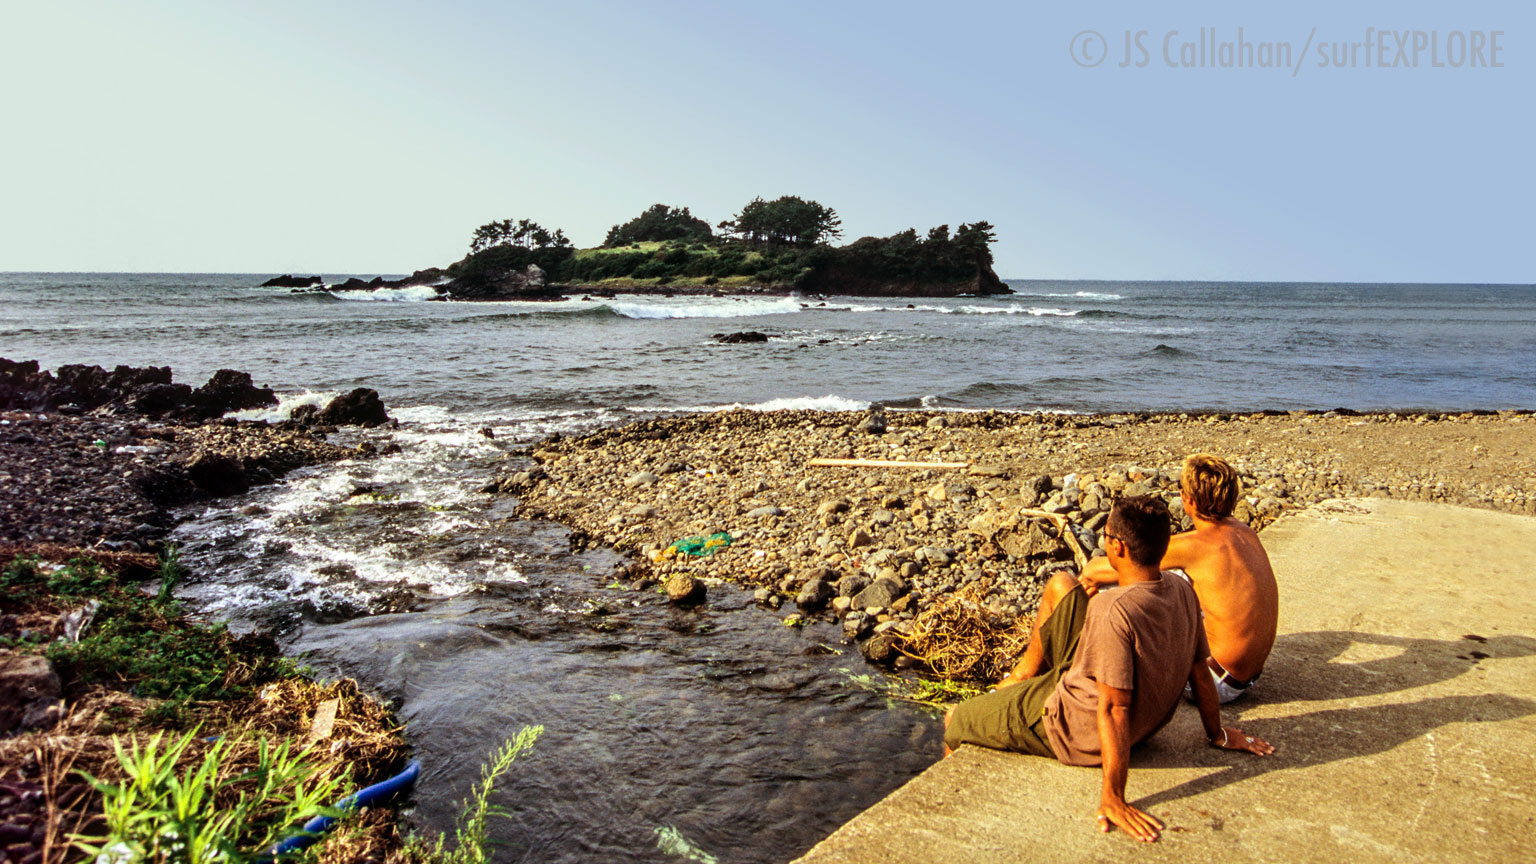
{"x":1327,"y":665}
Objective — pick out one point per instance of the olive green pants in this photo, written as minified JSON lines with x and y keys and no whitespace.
{"x":1011,"y":718}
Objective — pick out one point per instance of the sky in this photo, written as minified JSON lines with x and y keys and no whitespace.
{"x":373,"y":137}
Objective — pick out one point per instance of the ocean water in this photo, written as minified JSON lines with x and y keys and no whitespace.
{"x":1077,"y":346}
{"x":672,"y":735}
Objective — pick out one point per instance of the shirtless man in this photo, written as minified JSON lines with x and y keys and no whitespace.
{"x":1226,"y":563}
{"x":1104,"y":674}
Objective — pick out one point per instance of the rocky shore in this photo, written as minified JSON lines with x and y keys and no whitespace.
{"x":93,"y":458}
{"x":93,"y":464}
{"x":878,"y":547}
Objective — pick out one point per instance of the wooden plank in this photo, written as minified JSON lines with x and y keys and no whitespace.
{"x":884,"y":463}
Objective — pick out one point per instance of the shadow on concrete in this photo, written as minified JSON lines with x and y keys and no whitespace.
{"x":1335,"y":664}
{"x":1302,"y":665}
{"x":1321,"y":737}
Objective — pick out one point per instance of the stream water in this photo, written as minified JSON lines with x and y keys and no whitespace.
{"x":669,"y":733}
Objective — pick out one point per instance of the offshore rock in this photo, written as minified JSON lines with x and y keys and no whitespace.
{"x":288,"y":280}
{"x":361,"y":407}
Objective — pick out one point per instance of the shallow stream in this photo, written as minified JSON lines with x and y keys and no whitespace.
{"x":715,"y":733}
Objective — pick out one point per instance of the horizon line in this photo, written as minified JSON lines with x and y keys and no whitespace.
{"x":1186,"y":281}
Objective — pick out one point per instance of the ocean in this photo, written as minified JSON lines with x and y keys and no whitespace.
{"x":1072,"y":346}
{"x":671,"y":735}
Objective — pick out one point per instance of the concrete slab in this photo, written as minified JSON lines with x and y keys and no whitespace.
{"x":1401,"y":696}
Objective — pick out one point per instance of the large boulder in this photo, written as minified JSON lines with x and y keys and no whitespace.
{"x":217,"y":474}
{"x":684,"y":590}
{"x":229,"y":390}
{"x":361,"y":407}
{"x":880,"y":594}
{"x":29,"y":692}
{"x":815,"y":594}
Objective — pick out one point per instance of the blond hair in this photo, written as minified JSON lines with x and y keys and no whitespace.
{"x":1210,"y":485}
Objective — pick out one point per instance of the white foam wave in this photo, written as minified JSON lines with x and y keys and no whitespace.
{"x":1033,"y":311}
{"x":1009,"y":309}
{"x":732,"y":307}
{"x":829,"y":402}
{"x":1082,"y":295}
{"x":286,"y":402}
{"x":411,"y":294}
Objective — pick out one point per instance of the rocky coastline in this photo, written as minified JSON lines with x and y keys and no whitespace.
{"x":878,"y":548}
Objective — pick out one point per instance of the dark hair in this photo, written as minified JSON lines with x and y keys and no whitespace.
{"x":1142,"y":523}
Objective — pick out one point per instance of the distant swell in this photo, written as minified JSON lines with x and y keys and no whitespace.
{"x":706,"y":309}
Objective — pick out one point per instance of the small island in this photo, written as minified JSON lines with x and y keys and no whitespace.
{"x":775,"y":247}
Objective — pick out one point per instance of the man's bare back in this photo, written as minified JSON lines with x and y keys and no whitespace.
{"x":1230,"y":571}
{"x":1227,"y":565}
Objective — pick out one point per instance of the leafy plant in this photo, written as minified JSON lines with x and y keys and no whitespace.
{"x":470,"y":840}
{"x":212,"y":811}
{"x":171,"y":574}
{"x":141,"y":642}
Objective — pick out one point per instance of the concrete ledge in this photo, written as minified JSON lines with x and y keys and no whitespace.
{"x":1400,"y":737}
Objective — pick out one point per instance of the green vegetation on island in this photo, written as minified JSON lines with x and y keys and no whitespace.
{"x":779,"y":245}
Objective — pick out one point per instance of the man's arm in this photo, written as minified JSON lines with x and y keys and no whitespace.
{"x":1210,"y":716}
{"x":1183,"y":552}
{"x":1115,"y":748}
{"x":1097,"y":572}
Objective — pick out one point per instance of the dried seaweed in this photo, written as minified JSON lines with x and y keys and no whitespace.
{"x":959,"y":639}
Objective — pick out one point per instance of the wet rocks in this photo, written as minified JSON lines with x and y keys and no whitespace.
{"x":217,"y":473}
{"x":684,"y":590}
{"x":230,"y":390}
{"x":815,"y":594}
{"x":29,"y":692}
{"x":746,"y":337}
{"x":361,"y":407}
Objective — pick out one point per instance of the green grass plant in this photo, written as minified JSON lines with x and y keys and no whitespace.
{"x":471,"y":840}
{"x":140,"y":642}
{"x":216,"y":809}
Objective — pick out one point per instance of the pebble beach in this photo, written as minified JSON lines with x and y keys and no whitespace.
{"x":875,"y":547}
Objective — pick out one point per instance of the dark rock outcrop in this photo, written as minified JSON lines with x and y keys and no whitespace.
{"x":147,"y":391}
{"x":217,"y":473}
{"x":835,"y":278}
{"x":229,"y":390}
{"x":428,"y":277}
{"x":288,"y":280}
{"x":745,"y":337}
{"x":361,"y":407}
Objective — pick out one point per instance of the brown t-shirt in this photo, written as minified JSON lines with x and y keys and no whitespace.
{"x":1144,"y":637}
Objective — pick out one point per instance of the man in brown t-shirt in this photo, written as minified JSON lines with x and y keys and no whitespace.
{"x":1104,"y":674}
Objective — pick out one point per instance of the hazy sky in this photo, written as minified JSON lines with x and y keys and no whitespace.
{"x":372,"y":137}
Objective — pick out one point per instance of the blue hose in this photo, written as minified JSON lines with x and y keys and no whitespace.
{"x":375,"y":794}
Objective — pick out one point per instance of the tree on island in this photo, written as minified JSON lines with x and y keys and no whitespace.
{"x":659,"y":222}
{"x":786,"y":221}
{"x":524,"y":234}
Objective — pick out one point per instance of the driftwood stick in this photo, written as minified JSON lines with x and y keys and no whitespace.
{"x":883,"y":463}
{"x":1064,"y":529}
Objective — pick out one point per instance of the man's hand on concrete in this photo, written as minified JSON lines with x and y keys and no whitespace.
{"x":1233,"y":738}
{"x":1142,"y":826}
